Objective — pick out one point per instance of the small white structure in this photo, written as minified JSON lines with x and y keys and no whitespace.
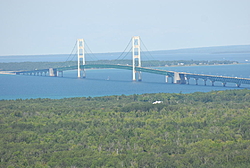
{"x":157,"y":102}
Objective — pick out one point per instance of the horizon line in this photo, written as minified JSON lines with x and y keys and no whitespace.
{"x":121,"y":51}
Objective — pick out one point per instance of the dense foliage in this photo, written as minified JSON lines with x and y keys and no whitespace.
{"x":185,"y":130}
{"x":17,"y":66}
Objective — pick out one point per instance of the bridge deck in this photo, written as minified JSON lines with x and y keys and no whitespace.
{"x":212,"y":78}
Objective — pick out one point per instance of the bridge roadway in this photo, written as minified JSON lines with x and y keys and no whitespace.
{"x":177,"y":77}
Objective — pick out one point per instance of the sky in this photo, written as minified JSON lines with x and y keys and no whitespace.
{"x":36,"y":27}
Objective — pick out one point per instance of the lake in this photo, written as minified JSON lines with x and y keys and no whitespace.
{"x":104,"y":82}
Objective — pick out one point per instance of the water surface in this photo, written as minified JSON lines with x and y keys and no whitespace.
{"x":103,"y":82}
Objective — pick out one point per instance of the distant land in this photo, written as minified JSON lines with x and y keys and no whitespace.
{"x":233,"y":53}
{"x":211,"y":50}
{"x":7,"y":68}
{"x":233,"y":49}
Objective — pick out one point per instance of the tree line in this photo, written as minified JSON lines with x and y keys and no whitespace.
{"x":183,"y":130}
{"x":17,"y":66}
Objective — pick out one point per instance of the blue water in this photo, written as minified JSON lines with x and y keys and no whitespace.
{"x":120,"y":82}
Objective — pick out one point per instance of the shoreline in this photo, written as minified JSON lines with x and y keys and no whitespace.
{"x":7,"y":72}
{"x":13,"y":72}
{"x":200,"y":65}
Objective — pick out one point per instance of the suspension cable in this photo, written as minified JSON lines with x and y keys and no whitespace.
{"x":71,"y":52}
{"x":89,"y":56}
{"x":74,"y":56}
{"x":125,"y":50}
{"x":126,"y":54}
{"x":147,"y":50}
{"x":95,"y":58}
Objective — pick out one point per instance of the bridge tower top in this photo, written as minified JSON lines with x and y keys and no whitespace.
{"x":81,"y":56}
{"x":136,"y":54}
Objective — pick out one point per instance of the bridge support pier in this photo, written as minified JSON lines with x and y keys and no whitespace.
{"x":205,"y":82}
{"x":224,"y":84}
{"x":179,"y":78}
{"x":212,"y":83}
{"x":139,"y":76}
{"x":166,"y":79}
{"x":83,"y":73}
{"x":196,"y":81}
{"x":53,"y":72}
{"x":187,"y":80}
{"x":238,"y":84}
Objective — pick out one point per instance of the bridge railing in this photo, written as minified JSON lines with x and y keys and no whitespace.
{"x":183,"y":77}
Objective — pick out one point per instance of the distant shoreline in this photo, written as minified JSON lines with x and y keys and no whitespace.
{"x":201,"y":65}
{"x":222,"y":49}
{"x":194,"y":65}
{"x":8,"y":72}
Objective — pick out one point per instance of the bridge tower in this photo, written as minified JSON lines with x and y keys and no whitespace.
{"x":136,"y":54}
{"x":81,"y":57}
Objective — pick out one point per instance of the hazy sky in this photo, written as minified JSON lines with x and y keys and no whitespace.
{"x":52,"y":26}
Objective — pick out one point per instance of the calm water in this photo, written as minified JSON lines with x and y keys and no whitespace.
{"x":120,"y":82}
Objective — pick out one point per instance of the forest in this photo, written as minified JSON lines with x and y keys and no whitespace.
{"x":17,"y":66}
{"x":180,"y":131}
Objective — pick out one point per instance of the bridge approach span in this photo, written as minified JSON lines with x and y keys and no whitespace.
{"x":126,"y":67}
{"x":177,"y":77}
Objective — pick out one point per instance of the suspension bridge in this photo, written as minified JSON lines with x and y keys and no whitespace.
{"x":136,"y":68}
